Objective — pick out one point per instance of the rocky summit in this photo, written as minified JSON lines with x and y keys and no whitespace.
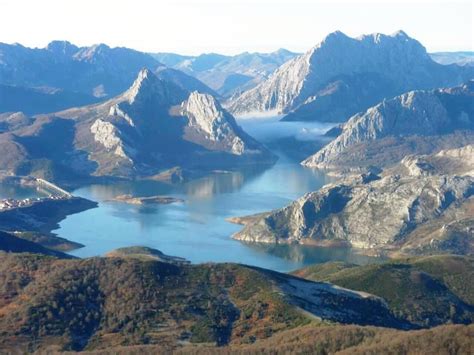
{"x":417,"y":122}
{"x":418,"y":212}
{"x":342,"y":76}
{"x":152,"y":126}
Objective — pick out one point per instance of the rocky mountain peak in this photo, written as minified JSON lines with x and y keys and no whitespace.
{"x":206,"y":115}
{"x":62,"y":48}
{"x":91,"y":54}
{"x":367,"y":69}
{"x":423,"y":115}
{"x":204,"y":106}
{"x":147,"y":86}
{"x":144,"y":77}
{"x":401,"y":34}
{"x":335,"y":36}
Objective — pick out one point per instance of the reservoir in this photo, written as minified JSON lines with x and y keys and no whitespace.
{"x":196,"y":229}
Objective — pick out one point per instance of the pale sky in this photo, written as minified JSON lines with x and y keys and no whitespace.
{"x":231,"y":26}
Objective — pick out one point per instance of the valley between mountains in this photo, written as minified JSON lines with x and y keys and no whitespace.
{"x":271,"y":203}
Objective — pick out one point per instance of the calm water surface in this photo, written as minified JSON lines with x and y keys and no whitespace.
{"x":196,"y":229}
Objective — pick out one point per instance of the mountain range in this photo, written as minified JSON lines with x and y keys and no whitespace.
{"x":153,"y":126}
{"x":341,"y":76}
{"x":228,"y":75}
{"x":460,"y":58}
{"x":421,"y":206}
{"x":406,"y":181}
{"x":417,"y":122}
{"x":63,"y":75}
{"x":400,"y":165}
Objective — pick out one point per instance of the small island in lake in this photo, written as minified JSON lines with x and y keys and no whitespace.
{"x":149,"y":200}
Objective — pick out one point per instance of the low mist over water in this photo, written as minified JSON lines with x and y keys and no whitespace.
{"x":196,"y":229}
{"x":267,"y":129}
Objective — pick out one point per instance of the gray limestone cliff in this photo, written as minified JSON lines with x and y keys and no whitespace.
{"x":417,"y":122}
{"x":153,"y":126}
{"x":415,"y":209}
{"x":342,"y":76}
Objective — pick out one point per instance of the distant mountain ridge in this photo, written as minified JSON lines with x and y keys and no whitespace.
{"x":228,"y":75}
{"x":342,"y":76}
{"x":152,"y":126}
{"x":98,"y":70}
{"x":75,"y":75}
{"x":460,"y":58}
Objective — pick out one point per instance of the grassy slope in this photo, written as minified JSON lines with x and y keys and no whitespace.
{"x":427,"y":291}
{"x":103,"y":302}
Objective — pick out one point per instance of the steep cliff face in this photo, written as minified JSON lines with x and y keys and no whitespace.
{"x":341,"y":76}
{"x":371,"y":215}
{"x":153,"y":126}
{"x":418,"y":122}
{"x":210,"y":125}
{"x":419,"y":210}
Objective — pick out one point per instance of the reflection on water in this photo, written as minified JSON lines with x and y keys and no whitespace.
{"x":306,"y":255}
{"x":219,"y":183}
{"x":197,"y":229}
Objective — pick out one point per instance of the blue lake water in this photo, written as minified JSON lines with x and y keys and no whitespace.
{"x":197,"y":228}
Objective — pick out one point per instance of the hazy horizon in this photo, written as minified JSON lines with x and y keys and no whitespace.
{"x":230,"y":26}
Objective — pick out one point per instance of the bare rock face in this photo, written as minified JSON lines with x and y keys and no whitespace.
{"x":418,"y":122}
{"x":155,"y":110}
{"x":342,"y":76}
{"x":109,"y":136}
{"x":153,"y":126}
{"x":379,"y":215}
{"x":422,"y":205}
{"x":207,"y":119}
{"x":458,"y":161}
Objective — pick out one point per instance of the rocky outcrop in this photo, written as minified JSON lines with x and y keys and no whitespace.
{"x":418,"y":122}
{"x":342,"y":76}
{"x":458,"y":161}
{"x":415,"y":207}
{"x":153,"y":126}
{"x":207,"y":119}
